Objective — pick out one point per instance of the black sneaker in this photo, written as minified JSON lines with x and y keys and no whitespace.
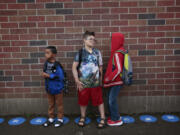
{"x":58,"y":124}
{"x":48,"y":123}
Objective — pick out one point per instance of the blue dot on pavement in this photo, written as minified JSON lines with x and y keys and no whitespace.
{"x":170,"y":118}
{"x":87,"y":120}
{"x":128,"y":119}
{"x":38,"y":121}
{"x":148,"y":118}
{"x":17,"y":121}
{"x":1,"y":120}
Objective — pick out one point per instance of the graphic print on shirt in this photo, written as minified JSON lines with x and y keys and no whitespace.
{"x":89,"y":68}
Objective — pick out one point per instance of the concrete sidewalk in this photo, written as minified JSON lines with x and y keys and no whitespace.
{"x":138,"y":128}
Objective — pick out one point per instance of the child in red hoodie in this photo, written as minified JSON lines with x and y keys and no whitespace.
{"x":112,"y":78}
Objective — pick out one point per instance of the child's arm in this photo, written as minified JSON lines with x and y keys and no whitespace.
{"x":59,"y":73}
{"x":117,"y":71}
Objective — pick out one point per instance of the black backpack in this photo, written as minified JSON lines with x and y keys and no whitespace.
{"x":53,"y":69}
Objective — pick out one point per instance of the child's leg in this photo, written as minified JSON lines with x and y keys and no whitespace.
{"x":83,"y":111}
{"x":101,"y":110}
{"x":113,"y":106}
{"x":51,"y":102}
{"x":59,"y":103}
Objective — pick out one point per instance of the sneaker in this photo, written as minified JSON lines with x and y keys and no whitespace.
{"x":114,"y":123}
{"x":58,"y":123}
{"x":109,"y":118}
{"x":49,"y":122}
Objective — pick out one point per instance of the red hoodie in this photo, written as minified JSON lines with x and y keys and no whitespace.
{"x":112,"y":75}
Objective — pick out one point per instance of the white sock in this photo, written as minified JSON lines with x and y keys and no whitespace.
{"x":51,"y":120}
{"x":61,"y":120}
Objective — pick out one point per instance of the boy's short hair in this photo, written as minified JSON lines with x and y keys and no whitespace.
{"x":53,"y":49}
{"x":88,"y":33}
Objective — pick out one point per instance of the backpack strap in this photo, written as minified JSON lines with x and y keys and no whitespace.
{"x":123,"y":52}
{"x":59,"y":64}
{"x":45,"y":66}
{"x":80,"y":57}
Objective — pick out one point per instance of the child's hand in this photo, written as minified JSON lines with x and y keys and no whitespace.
{"x":79,"y":85}
{"x":106,"y":79}
{"x":45,"y":75}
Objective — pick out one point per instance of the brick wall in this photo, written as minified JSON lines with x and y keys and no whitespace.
{"x":151,"y":28}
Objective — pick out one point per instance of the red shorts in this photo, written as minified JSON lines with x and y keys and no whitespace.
{"x":93,"y":94}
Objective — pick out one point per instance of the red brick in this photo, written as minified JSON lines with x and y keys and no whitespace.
{"x":119,"y":23}
{"x":12,"y":61}
{"x":18,"y":31}
{"x":23,"y":25}
{"x":147,"y":3}
{"x":35,"y":6}
{"x":110,"y":4}
{"x":173,"y":9}
{"x":110,"y":29}
{"x":11,"y":49}
{"x":165,"y":3}
{"x":17,"y":19}
{"x":28,"y":37}
{"x":165,"y":75}
{"x":27,"y":12}
{"x":20,"y":67}
{"x":16,"y":6}
{"x":126,"y":29}
{"x":4,"y":43}
{"x":22,"y":90}
{"x":64,"y":24}
{"x":36,"y":18}
{"x":165,"y":15}
{"x":9,"y":25}
{"x":146,"y":76}
{"x":156,"y":34}
{"x":3,"y":6}
{"x":128,"y":16}
{"x":36,"y":30}
{"x":172,"y":81}
{"x":10,"y":73}
{"x":73,"y":5}
{"x":54,"y":18}
{"x":155,"y":58}
{"x":19,"y":43}
{"x":128,"y":4}
{"x":155,"y":70}
{"x":55,"y":30}
{"x":3,"y":19}
{"x":8,"y":12}
{"x":91,"y":4}
{"x":172,"y":69}
{"x":100,"y":11}
{"x":165,"y":28}
{"x":137,"y":10}
{"x":6,"y":90}
{"x":156,"y":81}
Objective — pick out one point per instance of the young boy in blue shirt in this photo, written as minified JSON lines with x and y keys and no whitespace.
{"x":54,"y":76}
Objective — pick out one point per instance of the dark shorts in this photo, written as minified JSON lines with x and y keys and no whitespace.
{"x":93,"y":94}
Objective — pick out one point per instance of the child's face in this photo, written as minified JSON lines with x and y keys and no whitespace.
{"x":49,"y":54}
{"x":90,"y":41}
